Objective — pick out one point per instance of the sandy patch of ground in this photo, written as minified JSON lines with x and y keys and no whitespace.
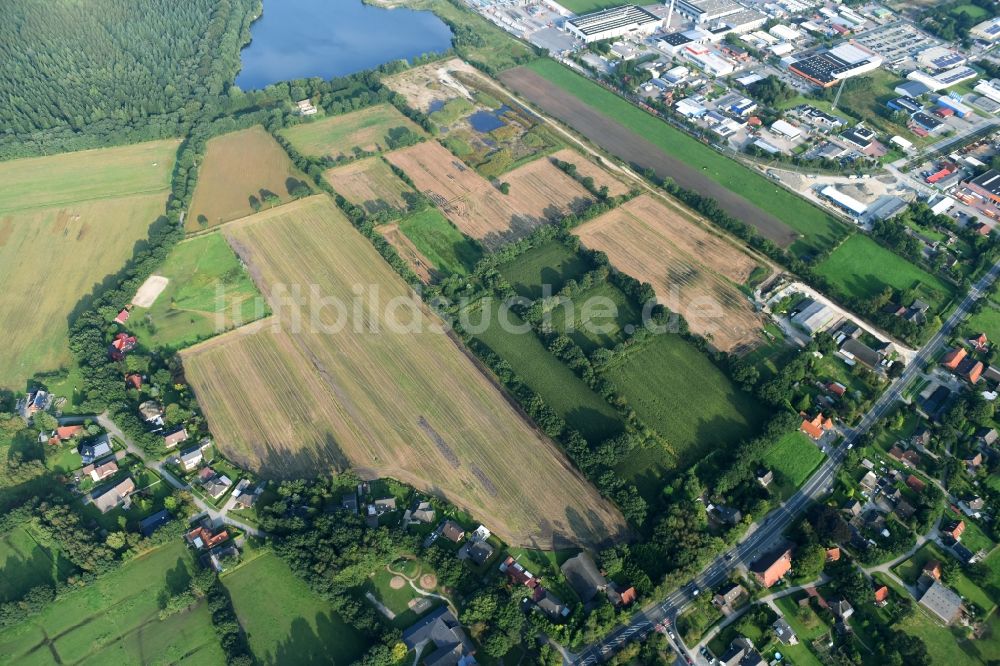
{"x":150,"y":291}
{"x":428,"y":581}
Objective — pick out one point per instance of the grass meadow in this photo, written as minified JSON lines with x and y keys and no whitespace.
{"x":581,"y":408}
{"x":27,"y":564}
{"x":115,"y":620}
{"x":209,"y":292}
{"x":819,"y":229}
{"x":67,"y":222}
{"x":792,"y":458}
{"x":441,"y":242}
{"x":285,"y":622}
{"x":677,"y":391}
{"x":550,"y":263}
{"x":367,"y":130}
{"x":862,"y":268}
{"x":238,"y":166}
{"x":588,"y":318}
{"x":987,"y":321}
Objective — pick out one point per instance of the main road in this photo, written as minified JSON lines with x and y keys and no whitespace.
{"x":768,"y":533}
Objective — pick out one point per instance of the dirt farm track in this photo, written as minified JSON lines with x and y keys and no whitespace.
{"x":629,"y":146}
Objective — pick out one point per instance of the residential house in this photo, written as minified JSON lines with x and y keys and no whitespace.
{"x":217,"y":486}
{"x":441,"y":629}
{"x":549,"y":604}
{"x":954,"y":529}
{"x":842,"y":609}
{"x":852,"y":509}
{"x":954,"y":358}
{"x":904,"y":509}
{"x":121,"y":345}
{"x":122,"y":317}
{"x":921,"y":438}
{"x":172,"y":439}
{"x":726,"y":598}
{"x":835,"y":388}
{"x":972,"y":506}
{"x":151,"y":523}
{"x":151,"y":412}
{"x":765,"y":477}
{"x":452,"y":531}
{"x":832,"y":554}
{"x":963,"y":554}
{"x":133,"y":380}
{"x":973,"y":462}
{"x":517,"y":574}
{"x":932,"y":570}
{"x":907,"y":458}
{"x":63,"y":433}
{"x":987,"y":436}
{"x":855,"y":350}
{"x":203,"y":538}
{"x":881,"y":594}
{"x":109,"y":497}
{"x":245,"y":500}
{"x":95,"y":449}
{"x":35,"y":401}
{"x":104,"y":470}
{"x":480,"y":552}
{"x":868,"y":482}
{"x":421,"y":513}
{"x":191,"y":458}
{"x":942,"y":602}
{"x":726,"y":514}
{"x":740,"y":652}
{"x":784,"y":632}
{"x":816,"y":426}
{"x":621,"y":596}
{"x":915,"y":484}
{"x":772,"y":567}
{"x":584,"y":577}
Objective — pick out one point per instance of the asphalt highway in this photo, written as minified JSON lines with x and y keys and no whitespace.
{"x":767,"y":533}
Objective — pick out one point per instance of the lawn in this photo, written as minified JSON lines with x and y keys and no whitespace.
{"x":987,"y":321}
{"x":368,"y":130}
{"x":81,"y":215}
{"x":289,"y":624}
{"x":680,"y":393}
{"x":543,"y":270}
{"x":596,"y":317}
{"x":819,"y":229}
{"x":793,"y":459}
{"x":441,"y":242}
{"x":115,"y":619}
{"x":582,"y":408}
{"x":27,"y":564}
{"x":862,"y":268}
{"x":209,"y":292}
{"x":397,"y":600}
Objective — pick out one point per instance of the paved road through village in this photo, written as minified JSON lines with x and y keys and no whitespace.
{"x":766,"y":534}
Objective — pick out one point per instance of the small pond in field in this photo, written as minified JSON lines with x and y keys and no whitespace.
{"x":487,"y":121}
{"x":296,"y":39}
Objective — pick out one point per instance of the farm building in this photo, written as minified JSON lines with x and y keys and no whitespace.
{"x":843,"y":201}
{"x":942,"y":602}
{"x":814,"y":317}
{"x":613,"y":22}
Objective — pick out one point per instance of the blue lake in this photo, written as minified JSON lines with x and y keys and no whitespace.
{"x":297,"y":39}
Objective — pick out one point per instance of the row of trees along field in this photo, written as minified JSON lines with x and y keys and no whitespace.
{"x":102,"y":67}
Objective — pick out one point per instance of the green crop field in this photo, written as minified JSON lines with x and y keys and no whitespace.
{"x":285,"y":622}
{"x":78,"y":215}
{"x":209,"y":292}
{"x":441,"y":242}
{"x":563,"y":391}
{"x":678,"y":391}
{"x":26,"y":564}
{"x":368,"y":129}
{"x":819,"y":229}
{"x":550,"y":263}
{"x":115,"y":620}
{"x":862,"y":268}
{"x":794,"y":458}
{"x":595,"y":317}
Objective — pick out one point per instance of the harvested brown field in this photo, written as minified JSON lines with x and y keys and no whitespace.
{"x":237,"y":167}
{"x":384,"y":393}
{"x":419,"y":264}
{"x":477,"y":208}
{"x":587,"y":167}
{"x":627,"y":145}
{"x":541,"y":190}
{"x":369,"y":183}
{"x":367,"y":129}
{"x":692,"y":270}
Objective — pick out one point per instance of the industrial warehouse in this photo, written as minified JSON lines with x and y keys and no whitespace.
{"x":841,"y":62}
{"x":614,"y":22}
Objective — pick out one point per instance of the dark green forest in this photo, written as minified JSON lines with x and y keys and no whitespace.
{"x":92,"y":72}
